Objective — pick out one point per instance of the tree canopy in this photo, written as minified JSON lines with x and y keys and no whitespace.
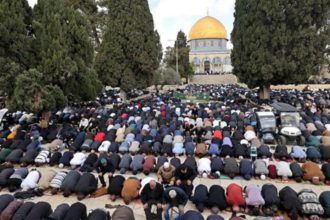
{"x":130,"y":51}
{"x":279,"y":41}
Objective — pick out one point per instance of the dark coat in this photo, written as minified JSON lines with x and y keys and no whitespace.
{"x":98,"y":214}
{"x":5,"y":200}
{"x":290,"y":201}
{"x":77,"y":211}
{"x":40,"y":211}
{"x":23,"y":211}
{"x":181,"y":196}
{"x":70,"y":181}
{"x":149,"y":195}
{"x":59,"y":212}
{"x":4,"y":176}
{"x":116,"y":184}
{"x":65,"y":159}
{"x":217,"y":197}
{"x":29,"y":156}
{"x":87,"y":184}
{"x":325,"y":202}
{"x":184,"y":173}
{"x":200,"y":195}
{"x":270,"y":195}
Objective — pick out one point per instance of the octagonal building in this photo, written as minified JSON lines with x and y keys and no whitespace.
{"x":208,"y":40}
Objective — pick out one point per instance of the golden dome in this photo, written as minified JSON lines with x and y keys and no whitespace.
{"x":208,"y":28}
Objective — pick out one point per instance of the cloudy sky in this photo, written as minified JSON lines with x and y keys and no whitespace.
{"x":170,"y":16}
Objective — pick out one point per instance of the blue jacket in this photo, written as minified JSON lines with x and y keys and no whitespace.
{"x":181,"y":196}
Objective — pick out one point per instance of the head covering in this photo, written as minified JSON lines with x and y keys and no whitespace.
{"x":103,"y":161}
{"x":172,"y":193}
{"x":166,"y":165}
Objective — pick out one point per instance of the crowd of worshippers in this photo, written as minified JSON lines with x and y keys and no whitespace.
{"x":149,"y":135}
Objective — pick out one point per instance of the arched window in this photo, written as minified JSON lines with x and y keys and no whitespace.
{"x":196,"y":61}
{"x":227,"y":61}
{"x":216,"y":60}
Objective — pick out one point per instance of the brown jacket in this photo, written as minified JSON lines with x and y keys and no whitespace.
{"x":166,"y":175}
{"x":131,"y":189}
{"x":311,"y":170}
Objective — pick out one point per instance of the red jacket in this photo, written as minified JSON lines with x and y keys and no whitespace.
{"x":235,"y":195}
{"x":100,"y":136}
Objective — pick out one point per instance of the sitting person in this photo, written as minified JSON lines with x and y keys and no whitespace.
{"x":116,"y":184}
{"x":246,"y":169}
{"x":77,"y":160}
{"x":103,"y":165}
{"x":254,"y":199}
{"x":86,"y":184}
{"x":231,"y":168}
{"x":56,"y":182}
{"x":174,"y":197}
{"x":283,"y":170}
{"x":200,"y":197}
{"x":152,"y":194}
{"x":272,"y":201}
{"x":15,"y":180}
{"x":312,"y":172}
{"x":69,"y":183}
{"x":184,"y":177}
{"x":281,"y":153}
{"x":297,"y":173}
{"x":31,"y":180}
{"x":261,"y":169}
{"x":234,"y":197}
{"x":298,"y":153}
{"x":166,"y":174}
{"x":290,"y":202}
{"x":130,"y":189}
{"x":216,"y":199}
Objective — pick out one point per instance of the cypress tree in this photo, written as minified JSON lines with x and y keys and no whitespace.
{"x":130,"y":51}
{"x":279,"y":41}
{"x":16,"y":45}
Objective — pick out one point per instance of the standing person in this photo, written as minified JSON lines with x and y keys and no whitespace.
{"x":174,"y":197}
{"x":152,"y":194}
{"x":103,"y":166}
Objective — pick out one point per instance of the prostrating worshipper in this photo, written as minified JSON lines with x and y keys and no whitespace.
{"x":77,"y":211}
{"x":166,"y":174}
{"x":254,"y":199}
{"x":56,"y":182}
{"x":86,"y":185}
{"x":290,"y":202}
{"x":103,"y":166}
{"x":130,"y":190}
{"x":69,"y":183}
{"x":115,"y":187}
{"x":152,"y":195}
{"x":200,"y":197}
{"x":234,"y":197}
{"x":272,"y":200}
{"x":59,"y":212}
{"x":174,"y":197}
{"x":40,"y":210}
{"x":297,"y":173}
{"x":31,"y":180}
{"x":217,"y":199}
{"x":283,"y":170}
{"x":312,"y":172}
{"x":231,"y":168}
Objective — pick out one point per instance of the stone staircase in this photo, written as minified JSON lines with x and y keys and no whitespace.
{"x":214,"y":79}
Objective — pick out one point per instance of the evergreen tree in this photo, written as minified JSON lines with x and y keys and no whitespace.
{"x":130,"y":50}
{"x":183,"y":56}
{"x":16,"y":45}
{"x":66,"y":51}
{"x":278,"y":41}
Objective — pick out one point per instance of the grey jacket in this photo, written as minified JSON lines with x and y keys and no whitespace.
{"x":5,"y":200}
{"x":20,"y":173}
{"x":70,"y":181}
{"x":137,"y":162}
{"x":125,"y":161}
{"x":260,"y":167}
{"x":59,"y":212}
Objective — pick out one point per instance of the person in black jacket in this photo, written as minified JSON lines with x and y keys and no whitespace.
{"x":28,"y":158}
{"x":184,"y":177}
{"x":116,"y":184}
{"x":23,"y":211}
{"x":69,"y":183}
{"x":41,"y":210}
{"x":152,"y":194}
{"x":200,"y":197}
{"x":326,"y":172}
{"x":281,"y":153}
{"x":5,"y":200}
{"x":103,"y":166}
{"x":290,"y":202}
{"x":272,"y":201}
{"x":325,"y":202}
{"x":297,"y":173}
{"x":89,"y":163}
{"x":86,"y":185}
{"x":217,"y":199}
{"x":98,"y":214}
{"x":77,"y":211}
